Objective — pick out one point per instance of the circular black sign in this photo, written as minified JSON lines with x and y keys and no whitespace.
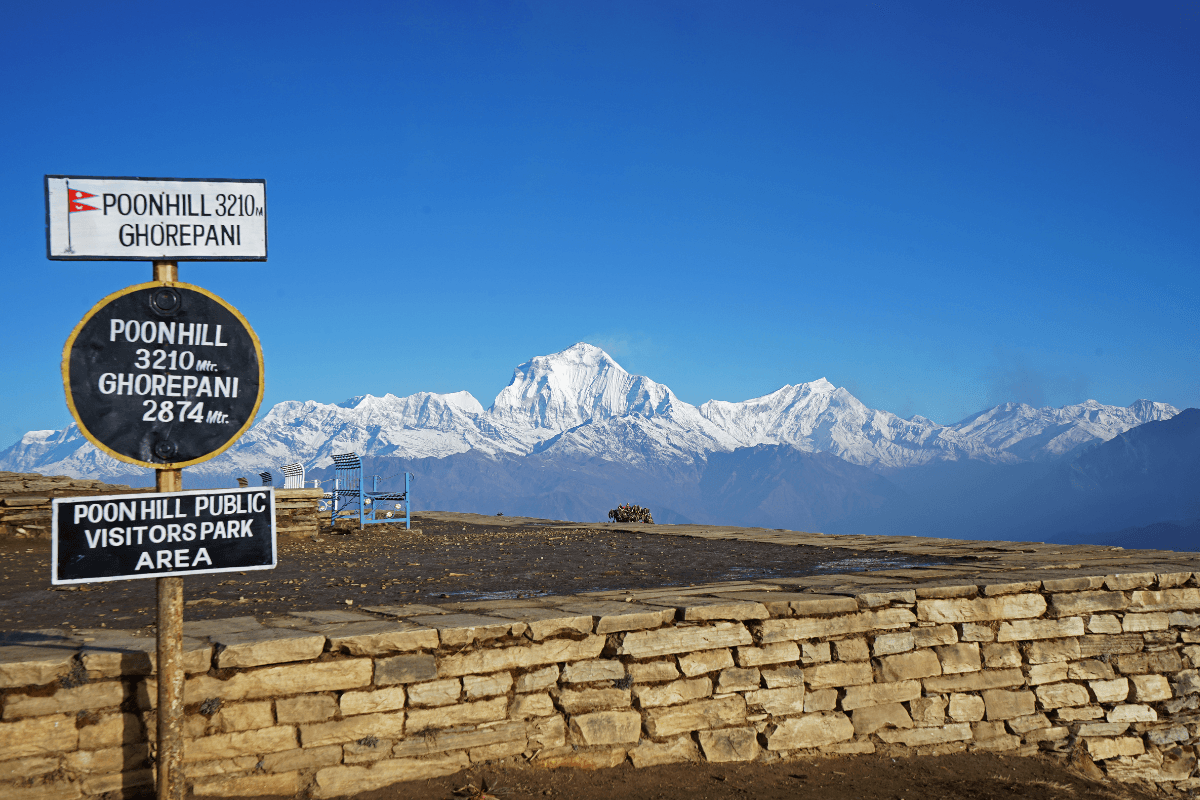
{"x":163,"y":375}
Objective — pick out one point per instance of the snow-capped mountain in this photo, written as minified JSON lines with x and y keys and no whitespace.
{"x":66,"y":449}
{"x":578,"y":385}
{"x":580,"y":403}
{"x":1039,"y":434}
{"x":820,"y":417}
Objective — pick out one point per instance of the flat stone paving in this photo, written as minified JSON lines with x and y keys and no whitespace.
{"x":990,"y":566}
{"x":977,"y":563}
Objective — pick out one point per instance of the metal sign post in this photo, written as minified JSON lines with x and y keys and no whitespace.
{"x":169,"y":631}
{"x":164,"y":536}
{"x":162,"y":375}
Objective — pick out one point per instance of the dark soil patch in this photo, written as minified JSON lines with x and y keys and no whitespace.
{"x":385,"y":564}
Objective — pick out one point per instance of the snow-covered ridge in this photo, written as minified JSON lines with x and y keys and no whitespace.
{"x":581,"y":383}
{"x":581,"y":402}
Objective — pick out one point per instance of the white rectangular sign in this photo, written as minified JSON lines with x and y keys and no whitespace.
{"x":161,"y":219}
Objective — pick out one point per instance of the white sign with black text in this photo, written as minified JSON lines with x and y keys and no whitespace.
{"x":164,"y":219}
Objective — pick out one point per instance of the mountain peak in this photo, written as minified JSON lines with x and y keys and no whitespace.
{"x":565,"y":389}
{"x":580,"y":355}
{"x":582,"y":352}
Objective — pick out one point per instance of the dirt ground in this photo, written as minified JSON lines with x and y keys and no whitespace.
{"x":385,"y":564}
{"x":966,"y":776}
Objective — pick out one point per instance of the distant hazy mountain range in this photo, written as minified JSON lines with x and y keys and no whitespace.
{"x":573,"y":434}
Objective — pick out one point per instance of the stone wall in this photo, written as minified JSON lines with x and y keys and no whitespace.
{"x":25,"y":503}
{"x":1102,"y":670}
{"x":25,"y":500}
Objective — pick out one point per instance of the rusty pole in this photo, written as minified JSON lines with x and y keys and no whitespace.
{"x":170,"y":639}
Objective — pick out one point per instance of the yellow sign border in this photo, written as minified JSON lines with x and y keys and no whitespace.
{"x":66,"y":373}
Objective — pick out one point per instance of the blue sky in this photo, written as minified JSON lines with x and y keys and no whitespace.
{"x":940,"y":206}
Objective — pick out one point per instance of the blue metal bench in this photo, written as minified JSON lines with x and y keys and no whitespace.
{"x":349,"y":494}
{"x":326,"y":500}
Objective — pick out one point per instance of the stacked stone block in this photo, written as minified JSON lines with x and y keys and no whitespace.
{"x":25,"y":500}
{"x":296,"y":512}
{"x":336,"y":702}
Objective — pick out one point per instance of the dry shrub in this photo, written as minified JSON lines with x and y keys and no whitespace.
{"x":631,"y":513}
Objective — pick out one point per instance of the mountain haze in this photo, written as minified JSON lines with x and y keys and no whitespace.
{"x":1146,"y":475}
{"x":573,"y":433}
